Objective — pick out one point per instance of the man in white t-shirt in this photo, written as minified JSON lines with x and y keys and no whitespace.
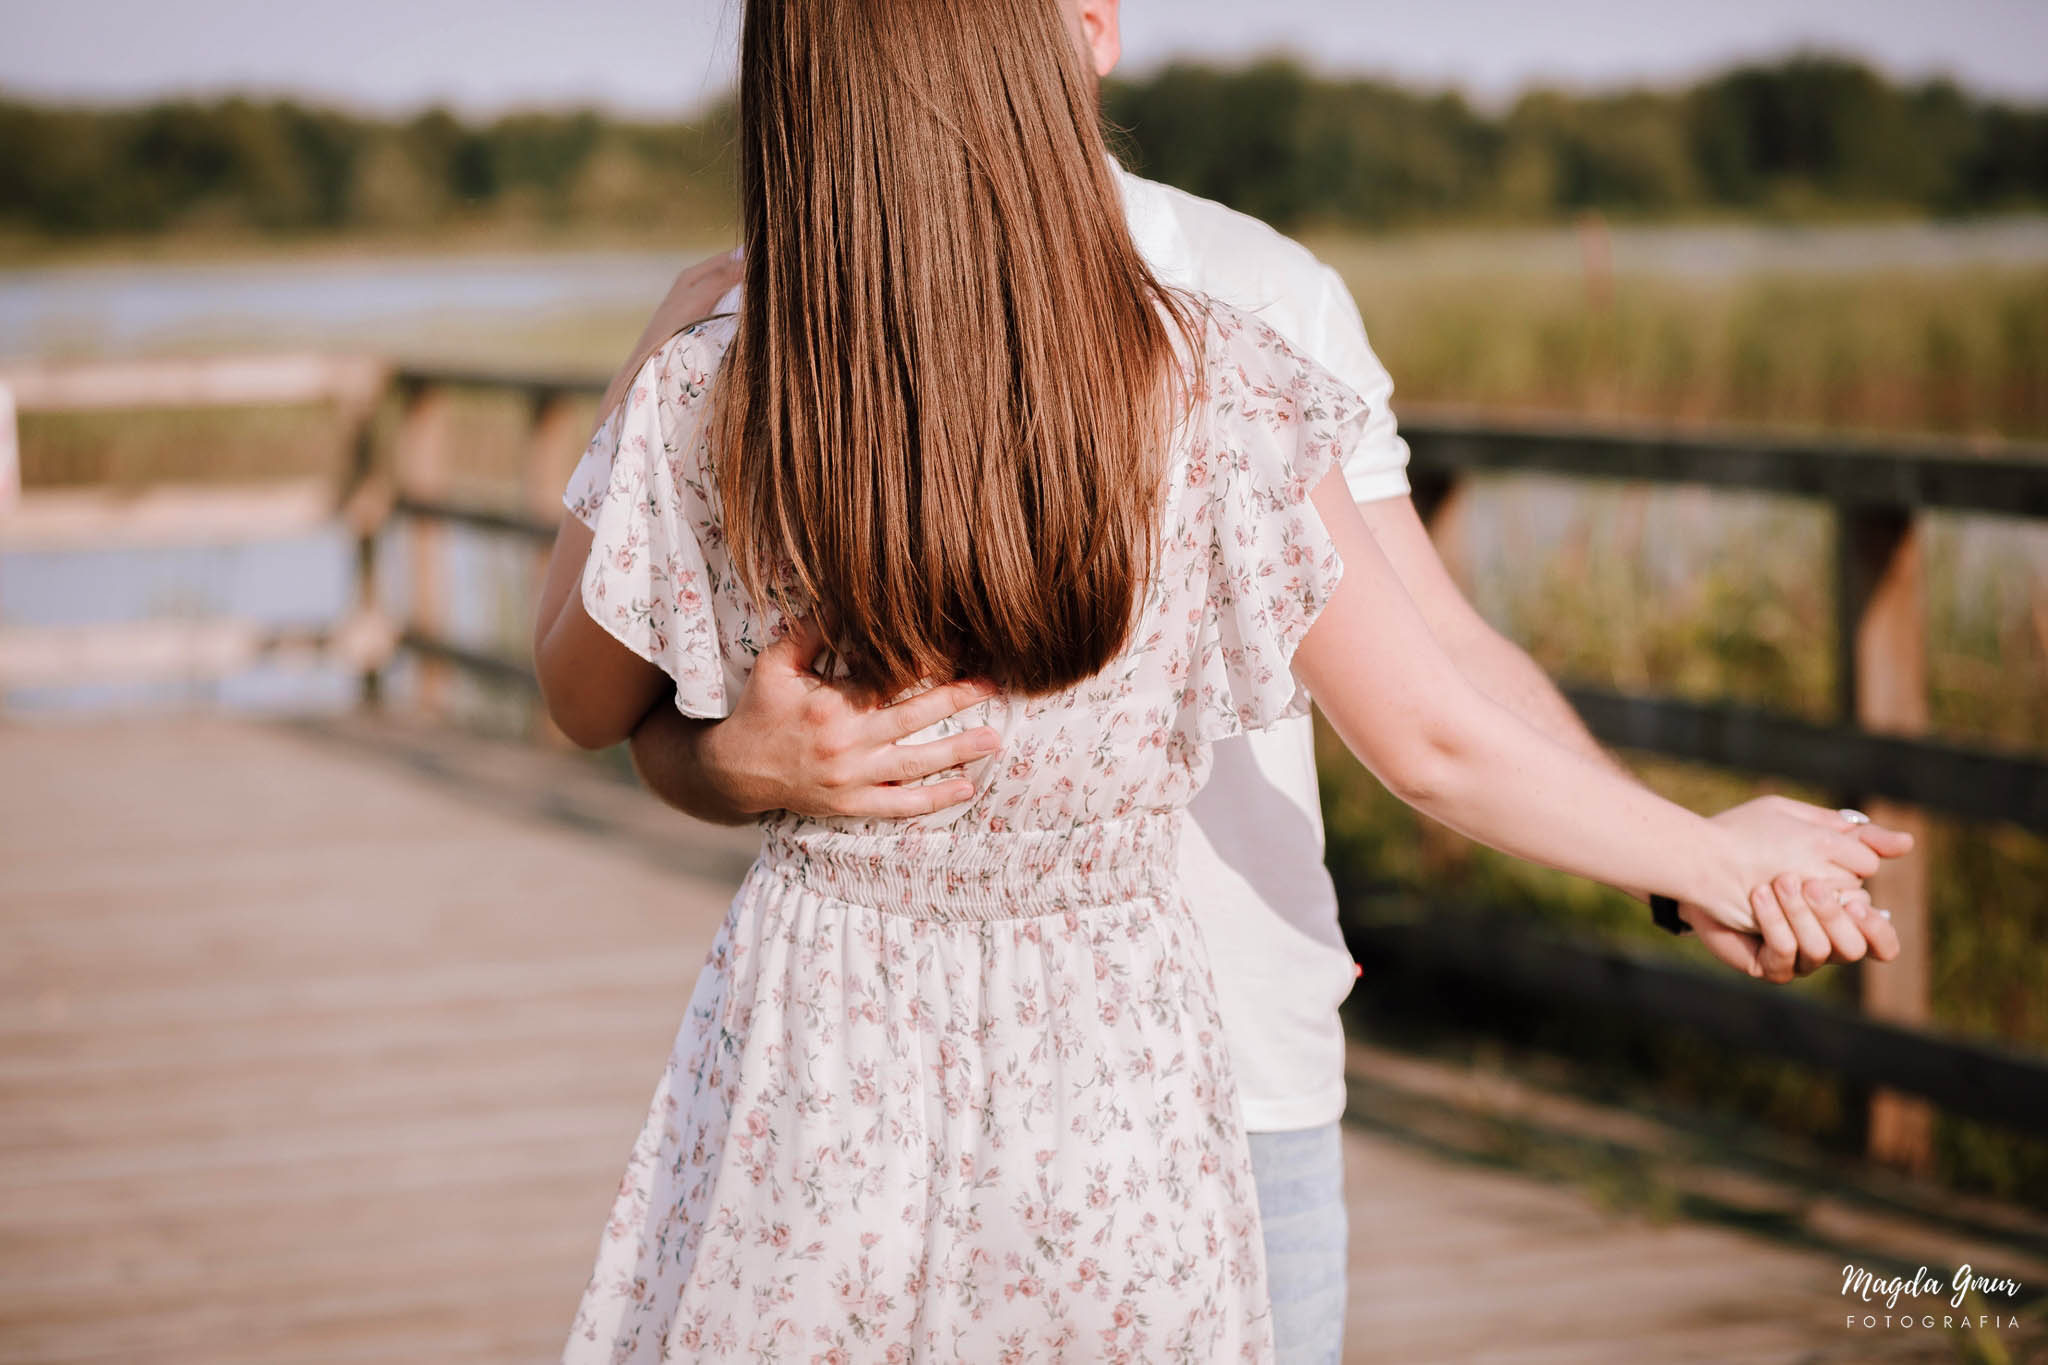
{"x":1253,"y":852}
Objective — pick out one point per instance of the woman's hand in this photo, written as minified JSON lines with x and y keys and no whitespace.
{"x":1802,"y":926}
{"x":1798,"y":864}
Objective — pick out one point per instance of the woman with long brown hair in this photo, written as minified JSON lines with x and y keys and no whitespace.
{"x":953,"y":1087}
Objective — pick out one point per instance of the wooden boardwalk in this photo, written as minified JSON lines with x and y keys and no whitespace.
{"x":326,"y":1044}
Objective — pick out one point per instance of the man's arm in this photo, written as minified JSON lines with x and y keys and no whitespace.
{"x":668,"y":754}
{"x":799,"y":742}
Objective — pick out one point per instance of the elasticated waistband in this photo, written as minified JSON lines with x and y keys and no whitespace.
{"x":944,"y":874}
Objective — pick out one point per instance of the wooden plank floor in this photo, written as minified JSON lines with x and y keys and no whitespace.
{"x":330,"y":1047}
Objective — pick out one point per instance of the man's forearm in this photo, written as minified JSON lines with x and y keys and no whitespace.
{"x":668,"y":752}
{"x":1507,"y":675}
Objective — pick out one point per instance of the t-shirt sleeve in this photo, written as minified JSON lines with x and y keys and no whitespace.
{"x":1277,"y":423}
{"x":643,"y":488}
{"x":1376,"y":466}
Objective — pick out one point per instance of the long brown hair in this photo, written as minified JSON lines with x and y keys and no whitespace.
{"x":941,"y":423}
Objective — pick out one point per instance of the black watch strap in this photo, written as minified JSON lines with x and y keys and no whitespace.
{"x":1664,"y":910}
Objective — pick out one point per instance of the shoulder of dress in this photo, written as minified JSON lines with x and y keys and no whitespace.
{"x":1238,"y":337}
{"x":679,"y":372}
{"x":698,"y":347}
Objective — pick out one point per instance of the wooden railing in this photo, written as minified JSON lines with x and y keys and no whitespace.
{"x":422,"y":500}
{"x":87,"y":518}
{"x":1876,"y":753}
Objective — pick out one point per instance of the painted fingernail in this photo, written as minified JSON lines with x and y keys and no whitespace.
{"x":1854,"y":817}
{"x":1886,"y":913}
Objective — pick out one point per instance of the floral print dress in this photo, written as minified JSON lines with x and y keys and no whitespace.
{"x":953,"y":1088}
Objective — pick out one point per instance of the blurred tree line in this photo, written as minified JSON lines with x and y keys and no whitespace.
{"x":1809,"y":136}
{"x":276,"y":167}
{"x":1812,"y":135}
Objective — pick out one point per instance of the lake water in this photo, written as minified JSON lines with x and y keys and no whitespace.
{"x":420,"y":306}
{"x":467,"y":305}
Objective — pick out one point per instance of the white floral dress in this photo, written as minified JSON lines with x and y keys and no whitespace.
{"x":953,"y":1088}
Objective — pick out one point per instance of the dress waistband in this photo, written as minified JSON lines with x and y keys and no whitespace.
{"x":944,"y":874}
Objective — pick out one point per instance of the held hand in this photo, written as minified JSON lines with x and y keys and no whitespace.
{"x":1804,"y":921}
{"x":807,"y":744}
{"x":1752,"y":956}
{"x":1851,"y":928}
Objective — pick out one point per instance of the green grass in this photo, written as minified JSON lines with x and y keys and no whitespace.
{"x":1898,"y":351}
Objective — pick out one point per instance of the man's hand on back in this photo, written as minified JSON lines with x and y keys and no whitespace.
{"x":803,"y":743}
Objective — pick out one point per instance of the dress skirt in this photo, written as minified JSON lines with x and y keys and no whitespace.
{"x":942,"y":1099}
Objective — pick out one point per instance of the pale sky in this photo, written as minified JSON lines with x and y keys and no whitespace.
{"x":658,"y":57}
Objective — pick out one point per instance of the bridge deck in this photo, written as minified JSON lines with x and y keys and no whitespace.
{"x":323,"y":1046}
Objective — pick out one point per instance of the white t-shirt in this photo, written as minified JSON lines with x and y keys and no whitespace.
{"x":1252,"y":856}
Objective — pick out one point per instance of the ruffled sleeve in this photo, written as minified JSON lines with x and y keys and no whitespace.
{"x":1273,"y":424}
{"x":655,"y":578}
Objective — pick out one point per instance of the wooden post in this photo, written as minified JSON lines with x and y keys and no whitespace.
{"x":553,"y":447}
{"x":422,"y":447}
{"x":365,"y":509}
{"x":10,"y":462}
{"x":1881,"y":678}
{"x":554,"y":444}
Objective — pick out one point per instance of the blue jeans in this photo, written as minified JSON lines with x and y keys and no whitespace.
{"x":1300,"y":1178}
